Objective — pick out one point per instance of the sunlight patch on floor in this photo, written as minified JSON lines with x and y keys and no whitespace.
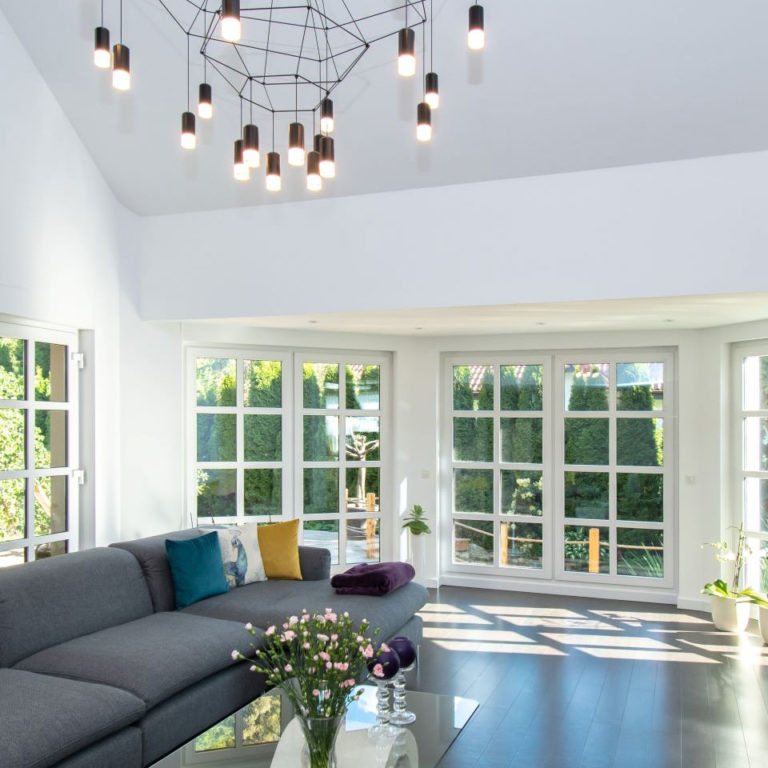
{"x":523,"y":610}
{"x":555,"y":623}
{"x":478,"y":646}
{"x":653,"y":617}
{"x":452,"y":618}
{"x":738,"y":650}
{"x":456,"y":633}
{"x":612,"y":641}
{"x":629,"y":654}
{"x":440,"y":608}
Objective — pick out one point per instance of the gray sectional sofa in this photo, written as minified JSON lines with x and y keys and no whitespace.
{"x":99,"y":669}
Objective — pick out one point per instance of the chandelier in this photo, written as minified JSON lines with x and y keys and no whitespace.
{"x":287,"y":58}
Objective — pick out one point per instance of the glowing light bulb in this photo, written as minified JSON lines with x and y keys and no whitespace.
{"x":424,"y":122}
{"x":314,"y":179}
{"x":102,"y":57}
{"x":406,"y":53}
{"x":121,"y":67}
{"x":231,"y":26}
{"x":476,"y":33}
{"x":327,"y":123}
{"x":188,"y":137}
{"x":296,"y":154}
{"x":251,"y":154}
{"x":431,"y":93}
{"x":273,"y":181}
{"x":205,"y":102}
{"x":327,"y":164}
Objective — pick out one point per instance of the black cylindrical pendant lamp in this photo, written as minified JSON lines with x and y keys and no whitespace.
{"x":296,"y":145}
{"x":205,"y":101}
{"x":102,"y":57}
{"x":314,"y":179}
{"x":188,"y":137}
{"x":251,"y":146}
{"x":273,"y":180}
{"x":231,"y":26}
{"x":423,"y":122}
{"x":121,"y":67}
{"x":327,"y":123}
{"x":327,"y":158}
{"x":317,"y":140}
{"x":406,"y":52}
{"x":431,"y":91}
{"x":241,"y":170}
{"x":476,"y":33}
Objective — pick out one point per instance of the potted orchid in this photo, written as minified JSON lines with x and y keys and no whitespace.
{"x":316,"y":659}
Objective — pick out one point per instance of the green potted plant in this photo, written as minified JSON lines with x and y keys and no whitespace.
{"x":416,"y":522}
{"x":730,"y":605}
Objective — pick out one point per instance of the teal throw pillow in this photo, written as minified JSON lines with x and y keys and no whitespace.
{"x":196,"y":568}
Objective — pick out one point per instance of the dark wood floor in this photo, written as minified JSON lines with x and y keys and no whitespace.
{"x":579,"y":683}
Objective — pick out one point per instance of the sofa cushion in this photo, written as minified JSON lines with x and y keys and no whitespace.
{"x":154,"y":657}
{"x":279,"y":545}
{"x":45,"y":719}
{"x":240,"y":553}
{"x":121,"y":750}
{"x":50,"y":601}
{"x":270,"y":602}
{"x":196,"y":568}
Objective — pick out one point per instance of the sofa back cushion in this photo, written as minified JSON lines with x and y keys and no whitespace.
{"x":50,"y":601}
{"x":151,"y":555}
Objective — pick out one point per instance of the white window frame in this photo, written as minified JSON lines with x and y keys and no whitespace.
{"x":31,"y":334}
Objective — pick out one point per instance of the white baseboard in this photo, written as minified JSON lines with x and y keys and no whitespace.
{"x":693,"y":603}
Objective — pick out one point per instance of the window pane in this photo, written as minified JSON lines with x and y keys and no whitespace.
{"x":221,"y":736}
{"x":50,"y":505}
{"x":321,"y":385}
{"x":521,"y":387}
{"x":640,"y":497}
{"x":325,"y":534}
{"x":640,"y":553}
{"x":321,"y":491}
{"x":640,"y":442}
{"x":362,"y":439}
{"x":11,"y":557}
{"x":263,"y":383}
{"x":261,"y":721}
{"x":521,"y":545}
{"x":586,"y":386}
{"x":50,"y":439}
{"x":363,"y":387}
{"x":755,"y":383}
{"x":11,"y":439}
{"x":12,"y":509}
{"x":362,"y":489}
{"x":639,"y":386}
{"x":473,"y":490}
{"x":11,"y":368}
{"x":472,"y":388}
{"x":756,"y":504}
{"x":50,"y":372}
{"x":215,"y":381}
{"x":586,"y":441}
{"x":586,"y":549}
{"x":521,"y":492}
{"x":472,"y":439}
{"x":51,"y":549}
{"x":521,"y":441}
{"x":216,"y":493}
{"x":586,"y":495}
{"x":321,"y":438}
{"x":756,"y":444}
{"x":263,"y":489}
{"x":363,"y":540}
{"x":473,"y":542}
{"x":216,"y":437}
{"x":263,"y":437}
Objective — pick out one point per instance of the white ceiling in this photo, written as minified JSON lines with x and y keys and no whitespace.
{"x":684,"y":312}
{"x":564,"y":85}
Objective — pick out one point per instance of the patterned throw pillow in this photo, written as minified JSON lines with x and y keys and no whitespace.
{"x":240,"y":553}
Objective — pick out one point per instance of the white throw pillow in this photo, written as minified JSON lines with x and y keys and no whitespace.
{"x":240,"y":554}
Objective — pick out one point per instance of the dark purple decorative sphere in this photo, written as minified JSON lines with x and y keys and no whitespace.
{"x":384,"y":665}
{"x":406,"y":650}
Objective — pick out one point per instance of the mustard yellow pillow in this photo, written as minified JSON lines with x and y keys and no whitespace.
{"x":279,"y":545}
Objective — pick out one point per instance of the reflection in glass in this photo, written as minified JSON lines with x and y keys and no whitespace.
{"x":216,"y":493}
{"x":216,"y":437}
{"x":640,"y":497}
{"x":263,"y":435}
{"x":586,"y":441}
{"x":261,"y":721}
{"x":640,"y":442}
{"x":473,"y":490}
{"x":321,"y":385}
{"x":263,"y":491}
{"x":521,"y":387}
{"x":12,"y":430}
{"x":473,"y":542}
{"x":221,"y":736}
{"x":521,"y":441}
{"x":755,"y":375}
{"x":586,"y":495}
{"x":12,"y":509}
{"x":11,"y":557}
{"x":521,"y":492}
{"x":521,"y":545}
{"x":755,"y":444}
{"x":325,"y":534}
{"x":586,"y":549}
{"x":639,"y":386}
{"x":640,"y":552}
{"x":50,"y":505}
{"x":50,"y":439}
{"x":50,"y":372}
{"x":11,"y":369}
{"x":586,"y":386}
{"x":321,"y":491}
{"x":472,"y":388}
{"x":215,"y":381}
{"x":263,"y":383}
{"x":362,"y":489}
{"x":362,"y":438}
{"x":363,"y":540}
{"x":472,"y":439}
{"x":363,"y":384}
{"x":321,"y":438}
{"x":756,"y":504}
{"x":51,"y":549}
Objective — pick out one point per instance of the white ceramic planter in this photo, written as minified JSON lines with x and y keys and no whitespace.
{"x":419,"y":554}
{"x":730,"y":614}
{"x":764,"y":623}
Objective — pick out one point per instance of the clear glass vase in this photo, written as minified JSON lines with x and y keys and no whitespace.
{"x":320,"y":735}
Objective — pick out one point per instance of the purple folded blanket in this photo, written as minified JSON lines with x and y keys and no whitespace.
{"x":375,"y":579}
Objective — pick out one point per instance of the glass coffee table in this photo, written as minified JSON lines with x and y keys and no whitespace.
{"x":266,"y":735}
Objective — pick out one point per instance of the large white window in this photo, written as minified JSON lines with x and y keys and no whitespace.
{"x":38,"y":443}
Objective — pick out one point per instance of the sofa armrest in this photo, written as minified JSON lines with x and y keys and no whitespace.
{"x":315,"y":563}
